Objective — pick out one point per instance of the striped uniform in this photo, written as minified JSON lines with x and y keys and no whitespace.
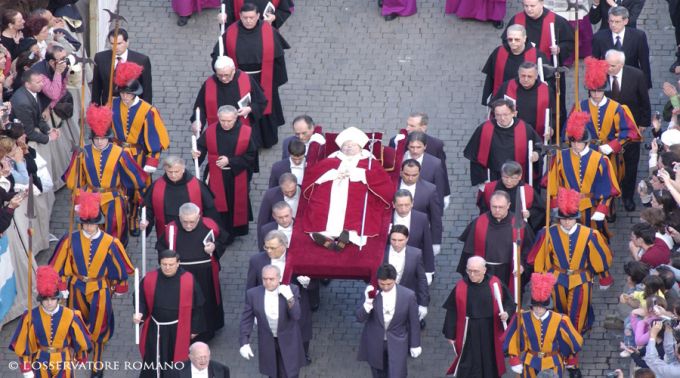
{"x":574,"y":259}
{"x":541,"y":344}
{"x":90,"y":270}
{"x":110,"y":172}
{"x":52,"y":340}
{"x":140,"y":130}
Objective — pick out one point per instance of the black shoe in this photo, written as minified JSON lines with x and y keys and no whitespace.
{"x":498,"y":24}
{"x":610,"y":218}
{"x":629,"y":204}
{"x":135,"y":232}
{"x":391,"y":17}
{"x":182,"y":20}
{"x":342,"y":240}
{"x":380,"y":3}
{"x":325,"y":281}
{"x":308,"y":360}
{"x":575,"y":373}
{"x":324,"y":241}
{"x":674,"y":65}
{"x":98,"y":374}
{"x":422,"y":324}
{"x":314,"y":307}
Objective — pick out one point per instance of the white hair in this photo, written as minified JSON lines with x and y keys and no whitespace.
{"x":620,"y":56}
{"x":223,"y":61}
{"x":476,"y":260}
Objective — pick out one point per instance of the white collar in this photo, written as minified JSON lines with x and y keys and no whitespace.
{"x":195,"y":371}
{"x":543,"y":317}
{"x":397,"y":216}
{"x":569,"y":232}
{"x":295,"y":196}
{"x":289,"y":228}
{"x":92,"y":237}
{"x":51,"y":313}
{"x":621,"y":35}
{"x":123,"y":56}
{"x":600,"y":104}
{"x":584,"y":152}
{"x":404,"y":186}
{"x":281,"y":259}
{"x":293,"y":165}
{"x":274,"y":292}
{"x":394,"y":251}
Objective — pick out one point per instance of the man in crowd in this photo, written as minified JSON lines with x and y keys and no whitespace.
{"x":200,"y":244}
{"x":139,"y":129}
{"x":276,"y":308}
{"x":419,"y":121}
{"x":108,"y":169}
{"x":28,"y":108}
{"x":69,"y":339}
{"x":628,"y":86}
{"x":282,"y":10}
{"x":425,"y":199}
{"x":259,"y":53}
{"x":432,"y":169}
{"x":491,"y":236}
{"x":283,"y":221}
{"x":499,"y":139}
{"x":200,"y":364}
{"x":420,"y":232}
{"x":391,"y":332}
{"x":231,"y":152}
{"x":632,"y":42}
{"x":473,"y":323}
{"x":575,"y":254}
{"x":176,"y":187}
{"x":408,"y":261}
{"x":102,"y":68}
{"x":92,"y":265}
{"x":504,"y":62}
{"x":295,"y":163}
{"x":170,"y":307}
{"x":599,"y":11}
{"x":308,"y":133}
{"x":287,"y":191}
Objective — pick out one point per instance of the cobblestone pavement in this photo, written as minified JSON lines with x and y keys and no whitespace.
{"x":349,"y":67}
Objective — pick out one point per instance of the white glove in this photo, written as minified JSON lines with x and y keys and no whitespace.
{"x":481,"y":187}
{"x":422,"y":312}
{"x":447,"y":201}
{"x":304,"y":281}
{"x":149,"y":169}
{"x":368,"y":301}
{"x":429,"y":276}
{"x":436,"y":248}
{"x":318,"y":138}
{"x":399,"y":138}
{"x":246,"y":352}
{"x":29,"y":374}
{"x":517,"y":369}
{"x":605,"y":149}
{"x":597,"y":216}
{"x":603,"y":288}
{"x":286,"y":292}
{"x":64,"y":294}
{"x":415,"y":352}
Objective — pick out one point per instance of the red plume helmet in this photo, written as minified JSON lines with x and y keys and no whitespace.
{"x":596,"y":73}
{"x":541,"y":287}
{"x":567,"y":202}
{"x":47,"y":281}
{"x":88,"y":205}
{"x":99,"y":118}
{"x":576,"y":126}
{"x":126,"y":72}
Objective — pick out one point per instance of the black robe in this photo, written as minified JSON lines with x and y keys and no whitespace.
{"x":510,"y":70}
{"x":498,"y":247}
{"x":478,"y":360}
{"x":190,"y":248}
{"x":527,"y":101}
{"x":226,"y":145}
{"x":176,"y":195}
{"x":536,"y":211}
{"x":249,"y":58}
{"x":502,"y":150}
{"x":166,"y":309}
{"x":282,"y":11}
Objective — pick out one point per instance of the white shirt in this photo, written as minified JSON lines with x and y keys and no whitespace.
{"x":123,"y":58}
{"x":35,"y":95}
{"x":410,"y":188}
{"x":543,"y":317}
{"x":602,"y":102}
{"x":569,"y":232}
{"x":298,"y":170}
{"x":293,"y":201}
{"x":407,"y":155}
{"x":288,"y":231}
{"x":389,"y":304}
{"x":280,"y":263}
{"x":92,"y":237}
{"x":618,"y":76}
{"x":398,"y":261}
{"x":621,"y":35}
{"x":195,"y":373}
{"x":405,"y":221}
{"x":50,"y":313}
{"x":271,"y":309}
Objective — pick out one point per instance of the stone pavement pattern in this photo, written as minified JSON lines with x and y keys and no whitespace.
{"x":349,"y":67}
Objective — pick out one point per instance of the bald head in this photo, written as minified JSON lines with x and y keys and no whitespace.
{"x":199,"y":354}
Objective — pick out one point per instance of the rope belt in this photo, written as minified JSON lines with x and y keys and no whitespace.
{"x":195,"y":262}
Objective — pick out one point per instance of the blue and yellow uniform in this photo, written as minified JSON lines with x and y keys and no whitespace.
{"x":541,"y":344}
{"x":50,"y":343}
{"x":110,"y":172}
{"x":575,"y":258}
{"x":90,"y":269}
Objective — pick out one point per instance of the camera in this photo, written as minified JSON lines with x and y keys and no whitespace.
{"x":4,"y":114}
{"x":611,"y":374}
{"x":659,"y":143}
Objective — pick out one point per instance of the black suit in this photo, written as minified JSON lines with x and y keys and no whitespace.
{"x":420,"y":236}
{"x":633,"y":93}
{"x":215,"y":370}
{"x":413,"y":276}
{"x":102,"y":69}
{"x":600,"y":13}
{"x":28,"y":110}
{"x":280,"y":167}
{"x":634,"y":45}
{"x":269,"y":198}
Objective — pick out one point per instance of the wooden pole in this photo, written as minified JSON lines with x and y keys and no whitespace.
{"x":576,"y":61}
{"x":113,"y":61}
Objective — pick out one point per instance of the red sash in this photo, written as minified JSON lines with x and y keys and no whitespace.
{"x":267,"y":74}
{"x":521,"y":148}
{"x":461,"y":305}
{"x":545,"y":42}
{"x":211,"y":96}
{"x":186,"y":300}
{"x":239,"y":3}
{"x":216,"y":184}
{"x":502,"y":59}
{"x":158,"y":203}
{"x":542,"y":103}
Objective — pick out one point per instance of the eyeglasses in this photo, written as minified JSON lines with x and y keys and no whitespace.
{"x":474,"y":271}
